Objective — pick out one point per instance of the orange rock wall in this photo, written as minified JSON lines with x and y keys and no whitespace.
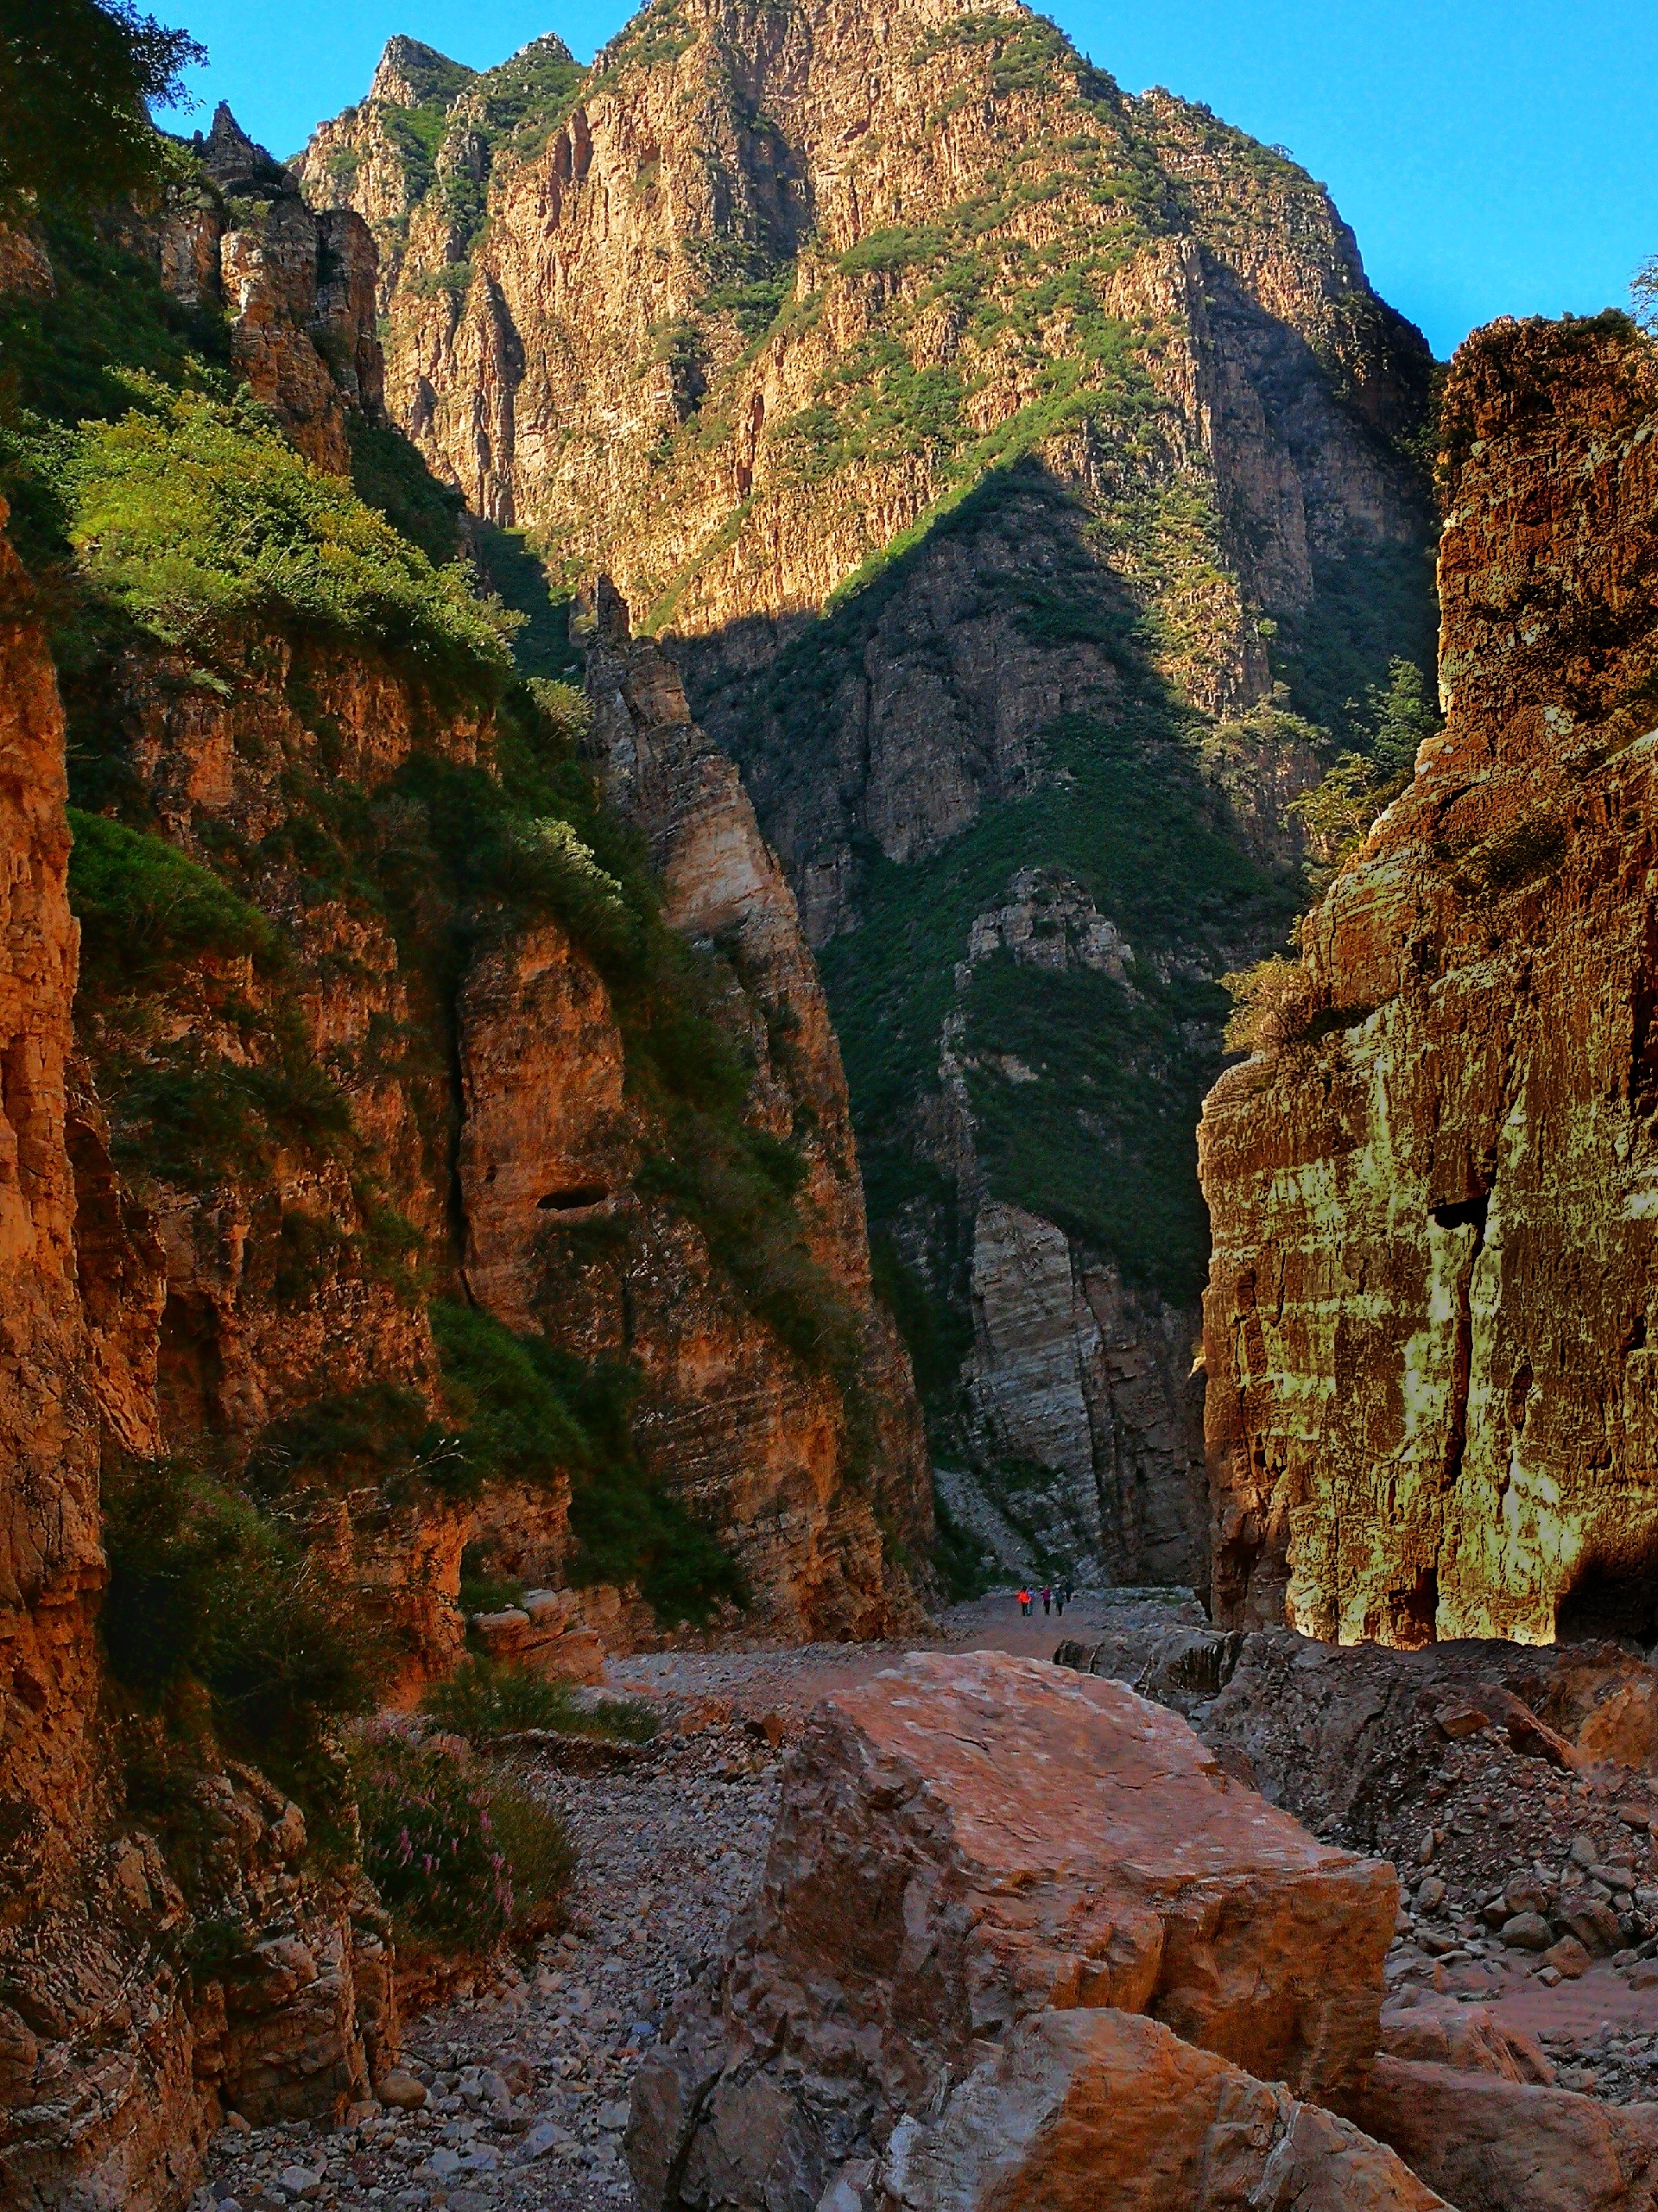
{"x":1431,"y":1410}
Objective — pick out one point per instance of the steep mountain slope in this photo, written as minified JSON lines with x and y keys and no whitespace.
{"x":404,"y":1147}
{"x":1429,"y":1321}
{"x":987,"y":446}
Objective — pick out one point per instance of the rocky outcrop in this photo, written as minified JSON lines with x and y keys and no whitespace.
{"x":966,"y":563}
{"x":1018,"y":1937}
{"x":236,"y":1154}
{"x":93,"y":1926}
{"x":1426,"y":1324}
{"x":52,"y":1561}
{"x":814,"y":1468}
{"x":1106,"y":2106}
{"x":296,"y":286}
{"x":1087,"y":1417}
{"x":1496,"y":2145}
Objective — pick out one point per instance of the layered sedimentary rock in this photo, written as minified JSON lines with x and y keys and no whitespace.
{"x":1023,"y":1939}
{"x":257,"y":1297}
{"x":986,"y":444}
{"x":223,"y":1219}
{"x":798,"y":1467}
{"x":1088,"y":1417}
{"x":1427,"y":1323}
{"x":92,"y":1921}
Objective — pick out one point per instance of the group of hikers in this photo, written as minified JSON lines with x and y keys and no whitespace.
{"x":1054,"y":1597}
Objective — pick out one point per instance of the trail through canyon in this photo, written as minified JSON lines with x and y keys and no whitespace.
{"x":515,"y":2088}
{"x":527,"y":2078}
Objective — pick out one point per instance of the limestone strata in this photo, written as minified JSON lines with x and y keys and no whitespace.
{"x":296,"y":286}
{"x":970,"y":1844}
{"x":51,"y":1563}
{"x":511,"y":345}
{"x":1076,"y":1375}
{"x":1427,"y":1329}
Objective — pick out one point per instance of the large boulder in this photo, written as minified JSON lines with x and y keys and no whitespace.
{"x":1077,"y":2111}
{"x":1492,"y":2145}
{"x":969,"y":1841}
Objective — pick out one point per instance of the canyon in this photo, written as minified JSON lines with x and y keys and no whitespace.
{"x":356,"y":1111}
{"x":650,"y":710}
{"x":1022,"y":476}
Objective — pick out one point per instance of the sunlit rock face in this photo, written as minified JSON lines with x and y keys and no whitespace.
{"x":1431,"y":1406}
{"x":984,"y":444}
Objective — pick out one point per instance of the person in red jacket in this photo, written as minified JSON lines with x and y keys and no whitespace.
{"x":1024,"y":1603}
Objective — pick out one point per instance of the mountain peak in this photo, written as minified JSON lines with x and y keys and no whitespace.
{"x":411,"y":74}
{"x":234,"y":161}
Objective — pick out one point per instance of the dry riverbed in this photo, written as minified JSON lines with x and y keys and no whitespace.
{"x":527,"y":2078}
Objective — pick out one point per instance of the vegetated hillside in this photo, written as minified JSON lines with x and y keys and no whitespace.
{"x":430,"y":1166}
{"x":1022,"y":475}
{"x":1429,"y":1317}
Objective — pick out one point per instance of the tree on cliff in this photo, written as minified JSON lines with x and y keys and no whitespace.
{"x":1338,"y":815}
{"x":76,"y":80}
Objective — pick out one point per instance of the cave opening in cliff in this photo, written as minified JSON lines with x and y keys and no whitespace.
{"x":1413,"y":1613}
{"x":1463,"y":1213}
{"x":573,"y":1197}
{"x":1613,"y":1600}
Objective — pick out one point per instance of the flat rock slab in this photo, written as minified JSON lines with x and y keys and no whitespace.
{"x":1082,"y":2110}
{"x":968,"y":1839}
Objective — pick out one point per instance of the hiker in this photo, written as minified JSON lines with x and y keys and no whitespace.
{"x":1048,"y":1598}
{"x":1059,"y":1599}
{"x":1024,"y":1602}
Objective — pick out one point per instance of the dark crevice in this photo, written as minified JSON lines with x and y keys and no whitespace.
{"x":1614,"y":1597}
{"x":1461,"y":1213}
{"x":570,"y":1200}
{"x":1465,"y":1214}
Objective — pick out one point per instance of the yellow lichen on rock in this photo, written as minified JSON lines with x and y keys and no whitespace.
{"x":1430,"y":1410}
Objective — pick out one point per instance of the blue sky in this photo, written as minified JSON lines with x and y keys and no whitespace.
{"x":1494,"y":156}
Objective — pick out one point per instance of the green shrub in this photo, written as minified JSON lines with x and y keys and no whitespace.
{"x":77,"y":81}
{"x":480,"y":1591}
{"x":885,"y":251}
{"x":194,"y":516}
{"x":506,"y":1390}
{"x":462,"y":1859}
{"x":1274,"y":1002}
{"x":736,"y":1186}
{"x":204,"y":1589}
{"x":381,"y":1437}
{"x":388,"y":474}
{"x":68,"y":353}
{"x":144,"y":908}
{"x":533,"y":1412}
{"x":311,"y":1250}
{"x":1515,"y":856}
{"x":482,"y":1701}
{"x":184,"y":1113}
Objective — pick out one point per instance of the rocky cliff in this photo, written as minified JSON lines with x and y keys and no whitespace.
{"x":407,"y":1146}
{"x":1432,"y":1185}
{"x":987,"y":446}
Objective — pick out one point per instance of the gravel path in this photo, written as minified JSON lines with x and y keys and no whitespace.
{"x":527,"y":2080}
